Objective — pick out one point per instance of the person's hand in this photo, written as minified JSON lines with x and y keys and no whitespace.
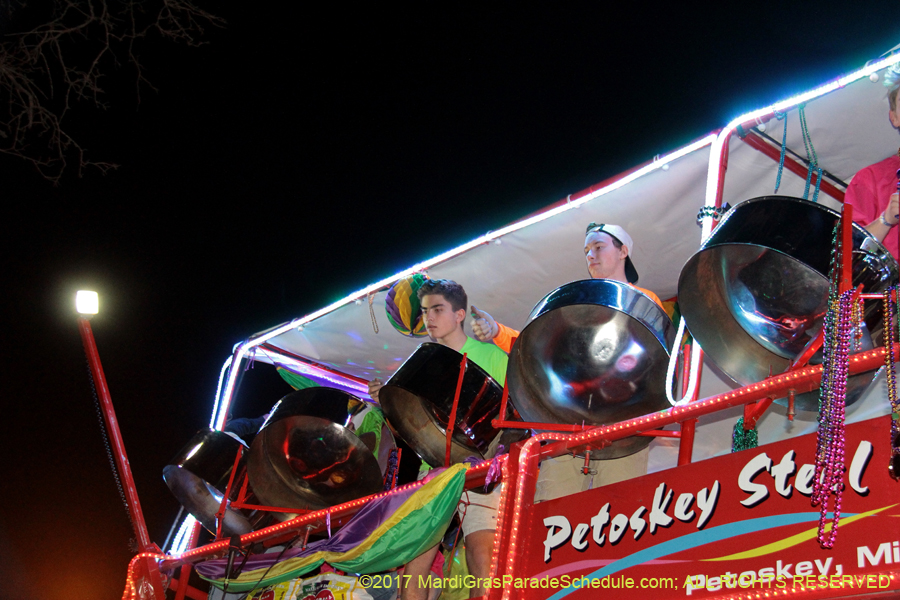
{"x":891,"y":214}
{"x":483,"y":325}
{"x":375,"y":385}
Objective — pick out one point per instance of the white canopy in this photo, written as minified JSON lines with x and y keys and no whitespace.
{"x":507,"y":272}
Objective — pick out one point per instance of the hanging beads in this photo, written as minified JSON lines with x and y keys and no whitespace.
{"x":890,"y":338}
{"x":830,"y":468}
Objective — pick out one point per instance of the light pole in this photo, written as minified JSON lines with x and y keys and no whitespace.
{"x":87,"y":304}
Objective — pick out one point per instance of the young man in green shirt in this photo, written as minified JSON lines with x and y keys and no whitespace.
{"x":444,"y":303}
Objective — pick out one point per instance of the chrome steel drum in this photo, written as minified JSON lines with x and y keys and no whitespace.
{"x":308,"y":454}
{"x":593,"y":352}
{"x":418,"y":398}
{"x":756,"y":293}
{"x":198,"y":477}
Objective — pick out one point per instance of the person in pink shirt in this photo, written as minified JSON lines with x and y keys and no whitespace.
{"x":873,"y":190}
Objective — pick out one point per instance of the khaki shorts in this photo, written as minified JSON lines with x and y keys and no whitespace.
{"x":562,"y":476}
{"x":478,"y":512}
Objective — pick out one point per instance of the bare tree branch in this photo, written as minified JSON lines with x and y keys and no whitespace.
{"x":57,"y":67}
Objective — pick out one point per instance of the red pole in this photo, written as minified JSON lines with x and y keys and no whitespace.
{"x":846,"y":248}
{"x":186,"y":567}
{"x":686,"y":444}
{"x":115,"y":436}
{"x":451,"y":425}
{"x":148,"y":564}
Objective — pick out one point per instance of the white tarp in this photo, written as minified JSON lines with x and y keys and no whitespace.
{"x":507,"y":277}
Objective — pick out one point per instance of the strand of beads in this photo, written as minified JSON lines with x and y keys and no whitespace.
{"x":743,"y":439}
{"x":890,"y":338}
{"x":823,"y":440}
{"x":857,"y":318}
{"x":830,"y":468}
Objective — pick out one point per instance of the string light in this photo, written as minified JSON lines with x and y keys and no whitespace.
{"x":131,"y":591}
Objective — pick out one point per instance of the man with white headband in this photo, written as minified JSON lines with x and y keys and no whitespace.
{"x":607,"y":252}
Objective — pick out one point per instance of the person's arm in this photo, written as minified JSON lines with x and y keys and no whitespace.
{"x":486,"y":329}
{"x":375,"y":385}
{"x":506,"y":337}
{"x":886,"y":221}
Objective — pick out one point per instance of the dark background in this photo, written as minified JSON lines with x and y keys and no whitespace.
{"x":300,"y":155}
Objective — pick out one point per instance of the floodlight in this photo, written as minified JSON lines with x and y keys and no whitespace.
{"x":87,"y":303}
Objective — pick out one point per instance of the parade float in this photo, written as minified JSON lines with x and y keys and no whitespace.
{"x":758,"y":485}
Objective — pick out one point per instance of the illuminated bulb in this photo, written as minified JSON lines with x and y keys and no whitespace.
{"x":873,"y":77}
{"x":87,"y":302}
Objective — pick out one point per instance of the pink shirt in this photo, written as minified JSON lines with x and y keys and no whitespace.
{"x":869,"y":193}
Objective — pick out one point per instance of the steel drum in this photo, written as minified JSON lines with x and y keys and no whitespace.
{"x":593,"y":352}
{"x":198,"y":477}
{"x":418,"y":398}
{"x":756,"y":293}
{"x":308,"y":456}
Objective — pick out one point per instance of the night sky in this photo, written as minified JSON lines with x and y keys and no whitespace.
{"x":299,"y":156}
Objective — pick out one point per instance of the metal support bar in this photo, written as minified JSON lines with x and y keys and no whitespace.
{"x":811,"y":348}
{"x":846,"y":242}
{"x":504,"y":400}
{"x":754,"y":412}
{"x":223,"y":505}
{"x":115,"y":436}
{"x":686,"y":447}
{"x":498,"y":424}
{"x":666,"y":433}
{"x":181,"y":584}
{"x":451,"y":423}
{"x":689,"y":427}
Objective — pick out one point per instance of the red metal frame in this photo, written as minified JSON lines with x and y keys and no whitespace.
{"x":452,"y":421}
{"x":521,"y":468}
{"x":184,"y":576}
{"x":688,"y":427}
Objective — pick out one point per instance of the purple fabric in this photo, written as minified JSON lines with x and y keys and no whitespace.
{"x":360,"y":527}
{"x":494,"y":470}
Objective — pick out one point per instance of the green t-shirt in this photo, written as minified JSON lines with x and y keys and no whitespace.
{"x":487,"y":356}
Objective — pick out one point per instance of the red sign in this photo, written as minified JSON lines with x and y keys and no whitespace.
{"x":732,"y":526}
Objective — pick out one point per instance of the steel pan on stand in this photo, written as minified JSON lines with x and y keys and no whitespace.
{"x":418,"y":398}
{"x":308,"y":455}
{"x":198,"y":476}
{"x":756,"y":293}
{"x":593,"y":352}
